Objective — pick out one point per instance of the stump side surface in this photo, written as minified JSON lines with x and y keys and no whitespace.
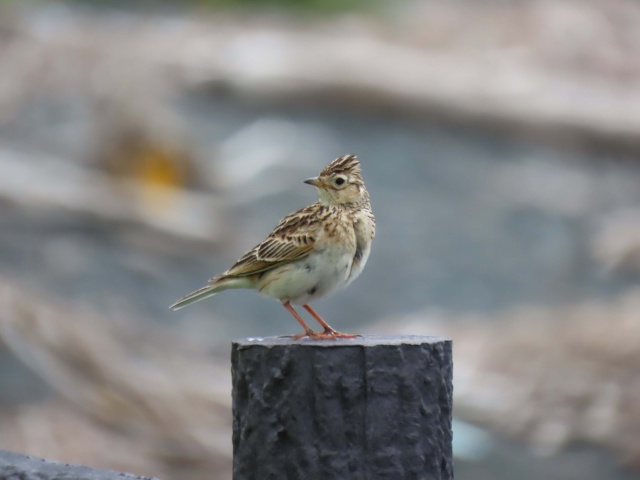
{"x":367,"y":408}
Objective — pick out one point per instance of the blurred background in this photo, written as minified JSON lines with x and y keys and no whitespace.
{"x":144,"y":146}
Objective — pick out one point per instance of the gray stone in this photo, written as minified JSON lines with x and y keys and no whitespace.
{"x":367,"y":408}
{"x":16,"y":466}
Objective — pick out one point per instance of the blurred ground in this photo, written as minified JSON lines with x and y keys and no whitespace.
{"x":142,"y":152}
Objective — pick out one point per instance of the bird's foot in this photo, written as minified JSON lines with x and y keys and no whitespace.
{"x":326,"y":335}
{"x":302,"y":335}
{"x":332,"y":334}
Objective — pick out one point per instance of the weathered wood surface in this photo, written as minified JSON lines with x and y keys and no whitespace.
{"x":369,"y":408}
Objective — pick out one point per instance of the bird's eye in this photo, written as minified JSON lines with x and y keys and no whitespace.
{"x":340,"y":181}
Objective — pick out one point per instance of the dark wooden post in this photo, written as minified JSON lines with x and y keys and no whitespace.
{"x":368,"y":408}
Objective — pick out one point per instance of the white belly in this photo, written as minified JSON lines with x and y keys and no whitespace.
{"x":313,"y":277}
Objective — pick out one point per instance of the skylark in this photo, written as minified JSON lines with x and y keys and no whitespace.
{"x":312,"y":252}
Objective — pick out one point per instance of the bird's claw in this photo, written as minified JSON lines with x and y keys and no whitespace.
{"x":325,"y":335}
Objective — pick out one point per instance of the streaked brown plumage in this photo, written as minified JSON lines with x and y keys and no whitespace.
{"x":311,"y":252}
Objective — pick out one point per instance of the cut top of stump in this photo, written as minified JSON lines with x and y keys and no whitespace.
{"x":361,"y":341}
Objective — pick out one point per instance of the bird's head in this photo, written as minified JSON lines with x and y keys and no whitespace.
{"x":340,"y":183}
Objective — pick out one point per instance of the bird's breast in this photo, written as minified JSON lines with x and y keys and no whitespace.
{"x":364,"y":231}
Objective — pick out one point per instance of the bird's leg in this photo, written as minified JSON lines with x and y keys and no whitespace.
{"x":308,"y":332}
{"x":329,"y":333}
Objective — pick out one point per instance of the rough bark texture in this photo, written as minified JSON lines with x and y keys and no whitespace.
{"x":368,"y":408}
{"x":23,"y":467}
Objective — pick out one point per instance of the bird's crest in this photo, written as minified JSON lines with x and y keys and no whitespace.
{"x":346,"y":164}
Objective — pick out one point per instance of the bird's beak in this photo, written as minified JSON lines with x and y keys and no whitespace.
{"x":315,"y":181}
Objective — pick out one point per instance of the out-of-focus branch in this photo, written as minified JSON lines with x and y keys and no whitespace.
{"x":535,"y":70}
{"x":39,"y":181}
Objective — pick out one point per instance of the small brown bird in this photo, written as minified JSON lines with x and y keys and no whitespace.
{"x":312,"y":252}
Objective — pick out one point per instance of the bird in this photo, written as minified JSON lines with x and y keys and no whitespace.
{"x":311,"y":253}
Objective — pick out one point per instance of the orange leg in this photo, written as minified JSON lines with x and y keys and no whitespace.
{"x":329,"y":333}
{"x":308,"y":332}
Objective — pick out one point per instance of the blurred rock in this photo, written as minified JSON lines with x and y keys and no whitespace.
{"x":269,"y":155}
{"x":161,"y":406}
{"x":552,"y":377}
{"x":616,"y":242}
{"x":13,"y":465}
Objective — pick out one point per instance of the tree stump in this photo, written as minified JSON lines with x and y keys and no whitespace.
{"x":374,"y":407}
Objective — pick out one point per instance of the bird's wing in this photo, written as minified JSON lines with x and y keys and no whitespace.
{"x":294,"y":238}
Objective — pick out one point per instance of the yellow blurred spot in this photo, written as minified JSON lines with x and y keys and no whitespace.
{"x":157,"y":166}
{"x":160,"y":173}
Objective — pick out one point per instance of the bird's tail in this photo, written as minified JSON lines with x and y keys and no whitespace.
{"x":218,"y":284}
